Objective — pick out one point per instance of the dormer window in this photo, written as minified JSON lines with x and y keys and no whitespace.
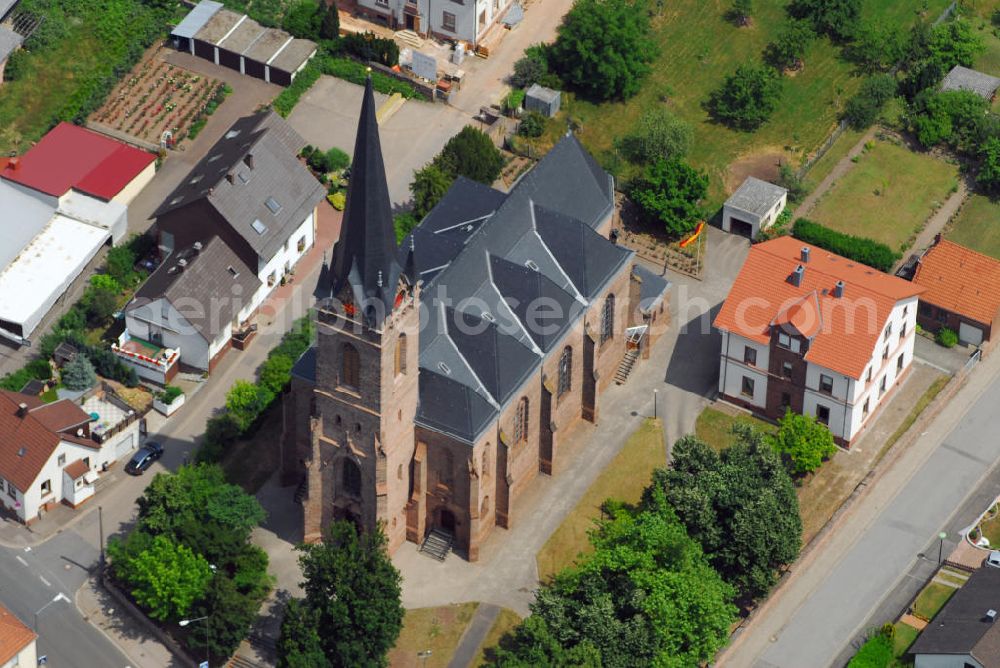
{"x":784,"y":340}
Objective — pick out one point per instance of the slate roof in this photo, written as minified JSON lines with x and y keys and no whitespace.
{"x":305,"y":366}
{"x":962,"y":78}
{"x":260,"y":153}
{"x":844,"y":330}
{"x":366,"y":262}
{"x":213,"y":275}
{"x":961,"y":627}
{"x":960,"y":280}
{"x":14,"y":634}
{"x":503,"y":257}
{"x":10,"y":41}
{"x":651,"y":288}
{"x":756,"y":196}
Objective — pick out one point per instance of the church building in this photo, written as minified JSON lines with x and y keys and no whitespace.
{"x":448,"y":369}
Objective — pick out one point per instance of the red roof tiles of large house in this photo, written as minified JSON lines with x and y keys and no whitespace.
{"x":73,"y":157}
{"x":843,"y":330}
{"x":960,"y":280}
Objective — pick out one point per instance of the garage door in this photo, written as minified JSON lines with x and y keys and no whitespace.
{"x":741,"y":227}
{"x":970,"y":334}
{"x":125,"y":446}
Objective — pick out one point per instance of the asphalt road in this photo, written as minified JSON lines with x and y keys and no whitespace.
{"x":896,"y":544}
{"x":31,"y":578}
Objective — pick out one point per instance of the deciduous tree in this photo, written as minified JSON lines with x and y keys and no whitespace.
{"x":604,"y":48}
{"x":836,"y":18}
{"x":669,"y":194}
{"x":741,"y":12}
{"x":747,"y":98}
{"x":803,"y":441}
{"x":786,"y":52}
{"x":352,"y":598}
{"x":877,"y":47}
{"x":166,"y":578}
{"x":739,"y":505}
{"x":988,"y":175}
{"x":659,"y":135}
{"x":245,"y":401}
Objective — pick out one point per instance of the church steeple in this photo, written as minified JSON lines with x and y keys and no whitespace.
{"x":365,"y":264}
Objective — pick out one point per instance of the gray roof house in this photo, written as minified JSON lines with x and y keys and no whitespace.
{"x":191,"y":302}
{"x":754,"y":206}
{"x":966,"y":631}
{"x":962,"y":78}
{"x":250,"y":189}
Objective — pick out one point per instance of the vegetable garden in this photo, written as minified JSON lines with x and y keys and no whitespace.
{"x":157,"y":97}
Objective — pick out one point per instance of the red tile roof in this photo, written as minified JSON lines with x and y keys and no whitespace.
{"x":960,"y":280}
{"x":25,"y":445}
{"x":843,"y":330}
{"x":62,"y":415}
{"x":14,"y":635}
{"x":77,"y":469}
{"x":73,"y":157}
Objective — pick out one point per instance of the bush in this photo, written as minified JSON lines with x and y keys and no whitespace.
{"x":875,"y":653}
{"x":338,"y":200}
{"x":356,"y":72}
{"x":803,"y":443}
{"x":790,"y":181}
{"x":531,"y":68}
{"x":865,"y":251}
{"x":369,"y":47}
{"x":304,"y":80}
{"x":532,"y":125}
{"x":16,"y":380}
{"x":669,"y":194}
{"x":515,"y":100}
{"x":946,"y":337}
{"x":864,"y":107}
{"x":169,"y":393}
{"x":747,"y":98}
{"x":304,"y":19}
{"x":333,"y":160}
{"x":105,"y":282}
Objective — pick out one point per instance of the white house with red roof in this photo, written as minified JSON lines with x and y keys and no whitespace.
{"x":817,"y":333}
{"x":62,"y":200}
{"x":53,"y":453}
{"x":17,"y":641}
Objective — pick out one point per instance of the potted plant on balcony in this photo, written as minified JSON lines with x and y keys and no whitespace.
{"x":169,"y":400}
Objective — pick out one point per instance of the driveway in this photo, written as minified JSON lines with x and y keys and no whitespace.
{"x":327,"y":116}
{"x":683,"y":369}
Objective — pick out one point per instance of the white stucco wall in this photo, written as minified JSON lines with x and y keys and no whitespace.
{"x":288,"y":255}
{"x":732,"y":370}
{"x":175,"y":331}
{"x":26,"y":658}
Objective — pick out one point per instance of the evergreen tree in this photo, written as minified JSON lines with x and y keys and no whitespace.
{"x":330,"y":28}
{"x":78,"y":374}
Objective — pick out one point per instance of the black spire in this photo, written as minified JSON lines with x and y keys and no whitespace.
{"x":365,"y":257}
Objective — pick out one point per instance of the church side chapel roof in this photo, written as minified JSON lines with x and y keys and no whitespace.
{"x":517,"y":281}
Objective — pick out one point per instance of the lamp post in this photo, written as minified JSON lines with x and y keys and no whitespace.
{"x":655,"y":397}
{"x":185,"y":622}
{"x":941,"y":537}
{"x":423,"y":656}
{"x":58,"y":597}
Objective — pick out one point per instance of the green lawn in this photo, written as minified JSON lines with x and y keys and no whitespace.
{"x":504,"y":624}
{"x":888,"y":195}
{"x":623,"y":479}
{"x":977,"y":225}
{"x":932,"y":599}
{"x":905,"y":635}
{"x":435,"y":629}
{"x":699,"y":48}
{"x":715,"y":427}
{"x":844,"y":143}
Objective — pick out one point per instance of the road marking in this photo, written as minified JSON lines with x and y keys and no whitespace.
{"x":46,"y":582}
{"x":23,"y":562}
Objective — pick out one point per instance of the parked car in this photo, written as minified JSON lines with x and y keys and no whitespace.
{"x":144,"y":458}
{"x":994,"y":559}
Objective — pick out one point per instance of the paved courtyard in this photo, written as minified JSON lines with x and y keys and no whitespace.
{"x":327,"y":116}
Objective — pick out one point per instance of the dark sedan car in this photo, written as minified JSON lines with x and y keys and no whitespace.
{"x":144,"y":458}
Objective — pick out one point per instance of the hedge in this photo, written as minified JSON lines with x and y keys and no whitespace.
{"x":859,"y":249}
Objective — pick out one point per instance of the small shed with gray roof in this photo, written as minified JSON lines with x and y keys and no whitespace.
{"x":238,"y":42}
{"x":754,"y":206}
{"x":962,"y":78}
{"x":543,"y":100}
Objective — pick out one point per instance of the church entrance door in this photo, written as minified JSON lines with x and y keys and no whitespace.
{"x":446,"y":520}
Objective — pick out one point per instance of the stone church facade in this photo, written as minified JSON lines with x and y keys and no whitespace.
{"x":447,"y":370}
